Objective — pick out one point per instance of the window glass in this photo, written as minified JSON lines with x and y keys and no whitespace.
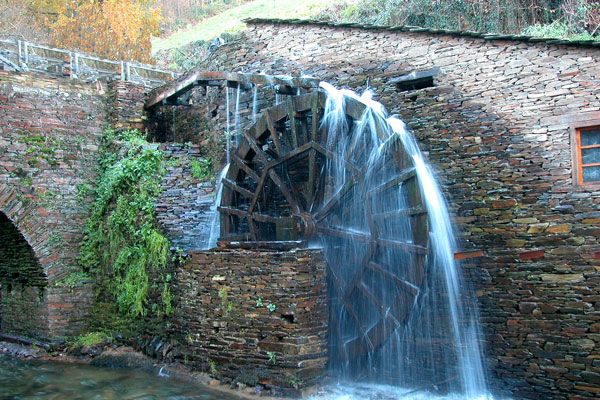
{"x":590,"y":137}
{"x":591,"y":174}
{"x":590,"y":156}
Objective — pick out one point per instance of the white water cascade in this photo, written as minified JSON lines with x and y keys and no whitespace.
{"x":215,"y":226}
{"x":436,"y":349}
{"x":227,"y":125}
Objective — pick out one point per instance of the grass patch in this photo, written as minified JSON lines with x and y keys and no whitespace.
{"x":231,"y":20}
{"x":89,"y":339}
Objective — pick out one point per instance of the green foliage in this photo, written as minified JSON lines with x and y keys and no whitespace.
{"x":83,"y":190}
{"x":73,"y":280}
{"x":272,"y":357}
{"x":226,"y":305}
{"x":201,"y":168}
{"x":259,"y":302}
{"x":551,"y":18}
{"x":212,"y":367}
{"x":89,"y":339}
{"x":40,"y":148}
{"x":178,"y":258}
{"x":558,"y":30}
{"x":122,"y":243}
{"x":271,"y":307}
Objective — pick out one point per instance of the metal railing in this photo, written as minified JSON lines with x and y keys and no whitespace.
{"x":21,"y":55}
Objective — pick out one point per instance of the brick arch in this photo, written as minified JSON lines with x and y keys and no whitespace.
{"x":24,"y":291}
{"x":29,"y":223}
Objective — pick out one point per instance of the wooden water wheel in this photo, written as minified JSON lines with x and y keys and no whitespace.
{"x":276,"y":190}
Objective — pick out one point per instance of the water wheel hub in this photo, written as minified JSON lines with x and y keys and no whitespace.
{"x":306,"y":225}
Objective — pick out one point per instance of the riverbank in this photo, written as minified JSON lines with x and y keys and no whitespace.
{"x":121,"y":358}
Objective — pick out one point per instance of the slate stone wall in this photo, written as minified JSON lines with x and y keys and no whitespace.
{"x":253,"y":316}
{"x":50,"y":130}
{"x":496,"y":125}
{"x":185,"y":208}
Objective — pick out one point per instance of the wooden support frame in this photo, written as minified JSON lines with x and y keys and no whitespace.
{"x":276,"y":180}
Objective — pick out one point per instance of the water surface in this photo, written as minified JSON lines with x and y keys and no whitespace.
{"x":61,"y":381}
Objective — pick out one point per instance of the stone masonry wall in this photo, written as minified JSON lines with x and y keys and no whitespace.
{"x":185,"y":208}
{"x":253,"y":317}
{"x":496,"y":125}
{"x":50,"y":129}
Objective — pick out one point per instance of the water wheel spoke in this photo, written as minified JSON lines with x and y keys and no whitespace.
{"x":356,"y":279}
{"x":232,"y":211}
{"x":234,"y":186}
{"x":369,"y":295}
{"x":262,"y":156}
{"x":265,"y":218}
{"x":290,"y":155}
{"x":414,"y":290}
{"x":244,"y":167}
{"x":274,"y":134}
{"x":285,"y":190}
{"x":312,"y":178}
{"x":329,"y":154}
{"x":418,"y":210}
{"x":334,"y":201}
{"x":398,"y":244}
{"x":343,"y":233}
{"x":252,"y":227}
{"x":403,"y":176}
{"x":257,"y":192}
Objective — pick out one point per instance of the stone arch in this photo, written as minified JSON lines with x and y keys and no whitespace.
{"x":23,"y":267}
{"x":25,"y":217}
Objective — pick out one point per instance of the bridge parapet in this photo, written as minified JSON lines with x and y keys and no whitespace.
{"x":19,"y":55}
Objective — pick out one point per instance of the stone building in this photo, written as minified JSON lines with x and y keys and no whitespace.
{"x":512,"y":126}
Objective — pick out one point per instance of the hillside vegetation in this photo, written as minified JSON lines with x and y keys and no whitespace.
{"x":568,"y":19}
{"x":177,"y":33}
{"x":230,"y":20}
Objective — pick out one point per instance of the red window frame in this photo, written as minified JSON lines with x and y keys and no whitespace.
{"x":578,"y":164}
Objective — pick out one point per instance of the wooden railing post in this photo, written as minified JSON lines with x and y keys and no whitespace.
{"x":76,"y":66}
{"x":122,"y":71}
{"x":19,"y":45}
{"x":128,"y":76}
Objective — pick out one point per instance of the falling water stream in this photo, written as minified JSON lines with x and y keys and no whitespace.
{"x":433,"y":349}
{"x":254,"y":102}
{"x":214,"y":218}
{"x":227,"y":124}
{"x":236,"y":118}
{"x":436,"y":348}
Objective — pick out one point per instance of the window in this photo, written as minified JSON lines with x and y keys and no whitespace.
{"x":587,"y":156}
{"x":416,"y":80}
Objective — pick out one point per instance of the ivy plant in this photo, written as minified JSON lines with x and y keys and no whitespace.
{"x":122,"y":244}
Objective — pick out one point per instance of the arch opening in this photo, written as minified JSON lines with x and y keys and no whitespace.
{"x":22,"y":285}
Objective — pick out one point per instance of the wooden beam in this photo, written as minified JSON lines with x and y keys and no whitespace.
{"x":403,"y":176}
{"x":245,"y":167}
{"x":234,"y":186}
{"x":231,"y":79}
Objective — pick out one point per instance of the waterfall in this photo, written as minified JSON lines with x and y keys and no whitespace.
{"x":215,"y":225}
{"x":227,"y":123}
{"x":254,"y":102}
{"x":436,"y":347}
{"x":236,"y":118}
